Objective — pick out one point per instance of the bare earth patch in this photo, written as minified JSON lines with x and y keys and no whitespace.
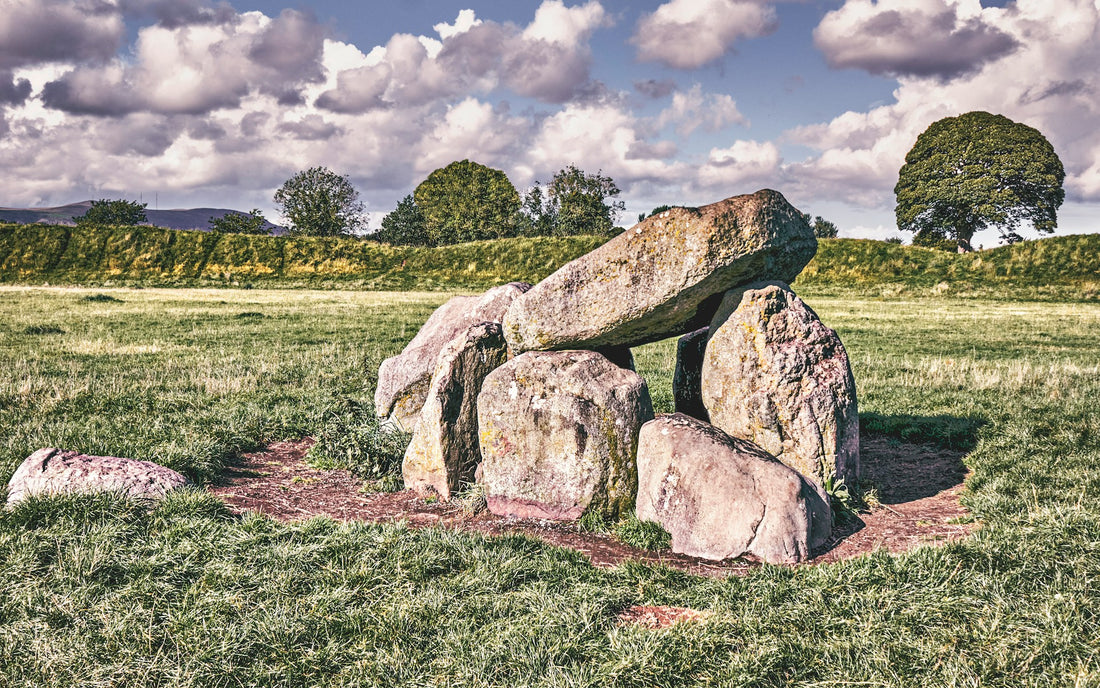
{"x":918,"y":488}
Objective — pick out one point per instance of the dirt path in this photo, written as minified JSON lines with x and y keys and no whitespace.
{"x":918,"y":488}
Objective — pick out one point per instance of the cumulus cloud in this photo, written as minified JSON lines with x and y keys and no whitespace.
{"x":687,"y":34}
{"x":652,"y":88}
{"x":35,"y":31}
{"x":548,"y":60}
{"x":693,"y":110}
{"x":199,"y":68}
{"x":744,"y":164}
{"x":939,"y":38}
{"x":176,"y":13}
{"x":13,"y":91}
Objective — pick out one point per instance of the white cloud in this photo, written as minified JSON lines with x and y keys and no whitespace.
{"x":693,"y":110}
{"x":37,"y":31}
{"x":740,"y":166}
{"x":942,"y":38}
{"x":687,"y":34}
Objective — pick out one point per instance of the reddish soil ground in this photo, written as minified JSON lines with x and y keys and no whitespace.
{"x":918,"y":489}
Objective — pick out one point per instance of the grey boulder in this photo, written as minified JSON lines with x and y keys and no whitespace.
{"x":559,"y":433}
{"x":56,"y":471}
{"x":403,"y":379}
{"x":774,"y":374}
{"x":444,"y":451}
{"x":721,"y":497}
{"x":663,"y":277}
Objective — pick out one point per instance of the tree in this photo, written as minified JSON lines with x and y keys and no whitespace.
{"x":584,"y":203}
{"x":466,"y":201}
{"x":537,"y":217}
{"x":240,"y":223}
{"x":658,"y":209}
{"x":404,"y":225}
{"x":823,"y":229}
{"x":319,"y":202}
{"x":118,"y":213}
{"x":969,"y":172}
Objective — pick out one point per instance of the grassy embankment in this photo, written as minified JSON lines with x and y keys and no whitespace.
{"x":94,"y":592}
{"x":1057,"y":268}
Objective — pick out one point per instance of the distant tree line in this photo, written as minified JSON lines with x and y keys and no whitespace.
{"x":467,"y":201}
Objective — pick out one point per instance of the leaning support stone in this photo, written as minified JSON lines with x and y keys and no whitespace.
{"x":721,"y":497}
{"x":403,"y":379}
{"x":774,"y":374}
{"x":688,"y":377}
{"x":444,"y":451}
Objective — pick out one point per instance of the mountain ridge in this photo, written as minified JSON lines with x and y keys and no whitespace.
{"x":174,"y":218}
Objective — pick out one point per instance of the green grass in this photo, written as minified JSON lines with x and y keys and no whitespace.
{"x":96,"y":591}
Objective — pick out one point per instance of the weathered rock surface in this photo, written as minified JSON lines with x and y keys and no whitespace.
{"x":57,"y":471}
{"x":444,"y":451}
{"x":663,"y":277}
{"x":403,"y":379}
{"x":621,"y":356}
{"x":721,"y":497}
{"x":774,"y":374}
{"x":559,"y":433}
{"x":687,"y":379}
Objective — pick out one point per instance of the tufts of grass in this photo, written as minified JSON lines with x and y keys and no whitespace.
{"x":43,"y":329}
{"x":100,"y":298}
{"x":352,"y":438}
{"x":642,"y":534}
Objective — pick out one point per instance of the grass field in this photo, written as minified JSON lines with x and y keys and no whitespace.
{"x":94,"y":592}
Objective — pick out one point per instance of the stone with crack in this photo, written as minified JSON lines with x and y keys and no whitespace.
{"x":444,"y":451}
{"x":403,"y":380}
{"x":722,"y":497}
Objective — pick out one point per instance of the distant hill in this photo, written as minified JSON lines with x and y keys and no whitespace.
{"x":191,"y":218}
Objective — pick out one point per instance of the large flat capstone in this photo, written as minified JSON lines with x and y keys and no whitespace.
{"x":403,"y":379}
{"x":663,"y":277}
{"x":559,"y":435}
{"x":58,"y":471}
{"x":721,"y":497}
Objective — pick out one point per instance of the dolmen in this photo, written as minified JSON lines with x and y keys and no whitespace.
{"x":532,"y":393}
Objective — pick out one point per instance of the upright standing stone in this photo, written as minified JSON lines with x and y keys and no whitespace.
{"x":58,"y":471}
{"x":720,"y":497}
{"x":444,"y":451}
{"x":663,"y":277}
{"x":403,"y":379}
{"x":774,"y":374}
{"x":687,"y":379}
{"x":559,"y":435}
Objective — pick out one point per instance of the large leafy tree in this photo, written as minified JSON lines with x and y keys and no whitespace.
{"x":974,"y":171}
{"x":467,"y":201}
{"x":404,"y":225}
{"x":583,"y":203}
{"x":117,"y":213}
{"x":319,"y":202}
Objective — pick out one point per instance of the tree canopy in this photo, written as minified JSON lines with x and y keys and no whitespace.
{"x":974,"y":171}
{"x":319,"y":202}
{"x":119,"y":213}
{"x":467,"y":201}
{"x":823,"y":229}
{"x":583,"y":203}
{"x":234,"y":222}
{"x":404,"y":226}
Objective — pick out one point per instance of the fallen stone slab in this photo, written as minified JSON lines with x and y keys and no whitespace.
{"x":444,"y":451}
{"x":403,"y":379}
{"x":774,"y":374}
{"x":664,"y":277}
{"x":57,"y":471}
{"x":559,"y":434}
{"x":720,"y":497}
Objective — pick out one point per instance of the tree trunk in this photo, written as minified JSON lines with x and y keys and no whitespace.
{"x":963,"y":236}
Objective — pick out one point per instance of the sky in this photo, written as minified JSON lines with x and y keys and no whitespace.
{"x":191,"y":103}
